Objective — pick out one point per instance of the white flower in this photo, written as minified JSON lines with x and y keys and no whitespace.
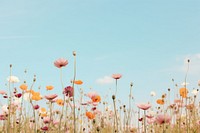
{"x":27,"y":96}
{"x":13,"y":79}
{"x":5,"y":109}
{"x":184,"y":84}
{"x":17,"y":101}
{"x":194,"y":92}
{"x":153,"y":93}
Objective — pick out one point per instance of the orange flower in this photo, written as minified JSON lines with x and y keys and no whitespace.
{"x":49,"y":87}
{"x":183,"y":92}
{"x":78,"y":82}
{"x":96,"y":98}
{"x":60,"y":102}
{"x":90,"y":115}
{"x":36,"y":96}
{"x":23,"y":87}
{"x":43,"y":110}
{"x":160,"y":101}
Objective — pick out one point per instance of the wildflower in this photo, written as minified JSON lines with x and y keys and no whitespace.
{"x":144,"y":106}
{"x":153,"y":93}
{"x":68,"y":91}
{"x":163,"y":118}
{"x":13,"y":79}
{"x":190,"y":106}
{"x":46,"y":120}
{"x":51,"y":96}
{"x":78,"y":82}
{"x":160,"y":101}
{"x":60,"y":102}
{"x":194,"y":92}
{"x":45,"y":128}
{"x":18,"y":95}
{"x":2,"y":92}
{"x":96,"y":98}
{"x":90,"y":115}
{"x":36,"y":107}
{"x":49,"y":87}
{"x":91,"y":94}
{"x":116,"y":76}
{"x":2,"y":117}
{"x":23,"y":87}
{"x":184,"y":84}
{"x":183,"y":92}
{"x":36,"y":96}
{"x":60,"y":62}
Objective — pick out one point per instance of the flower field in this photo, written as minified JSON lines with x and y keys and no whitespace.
{"x":177,"y":110}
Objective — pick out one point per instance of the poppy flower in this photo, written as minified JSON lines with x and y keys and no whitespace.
{"x":49,"y":87}
{"x":45,"y":128}
{"x":90,"y":115}
{"x":183,"y":92}
{"x":163,"y":118}
{"x":2,"y":92}
{"x":36,"y":107}
{"x":23,"y":87}
{"x":78,"y":82}
{"x":18,"y":95}
{"x":51,"y":96}
{"x":68,"y":91}
{"x":61,"y":62}
{"x":46,"y":120}
{"x":160,"y":101}
{"x":116,"y":76}
{"x":96,"y":98}
{"x":92,"y":94}
{"x":13,"y":79}
{"x":36,"y":96}
{"x":144,"y":106}
{"x":60,"y":102}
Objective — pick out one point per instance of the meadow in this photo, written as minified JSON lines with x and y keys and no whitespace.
{"x":175,"y":111}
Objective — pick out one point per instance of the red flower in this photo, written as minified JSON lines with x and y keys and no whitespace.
{"x":45,"y":128}
{"x":36,"y":107}
{"x":60,"y":63}
{"x":18,"y":95}
{"x":68,"y":91}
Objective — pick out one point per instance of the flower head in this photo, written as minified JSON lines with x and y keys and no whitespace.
{"x":51,"y":96}
{"x":96,"y":98}
{"x":68,"y":91}
{"x":49,"y":87}
{"x":78,"y":82}
{"x":90,"y":115}
{"x":163,"y":118}
{"x":23,"y":87}
{"x":153,"y":93}
{"x":61,"y":62}
{"x":13,"y":79}
{"x":116,"y":76}
{"x":2,"y":92}
{"x":144,"y":106}
{"x":60,"y":102}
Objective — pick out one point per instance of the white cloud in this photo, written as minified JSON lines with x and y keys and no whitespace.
{"x":105,"y":80}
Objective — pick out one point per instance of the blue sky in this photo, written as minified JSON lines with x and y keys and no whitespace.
{"x":146,"y":41}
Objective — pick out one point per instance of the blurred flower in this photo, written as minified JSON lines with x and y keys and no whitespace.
{"x":194,"y":92}
{"x":51,"y":96}
{"x":60,"y":102}
{"x":116,"y":76}
{"x":45,"y":128}
{"x":160,"y":101}
{"x":46,"y":120}
{"x":163,"y":118}
{"x":49,"y":87}
{"x":23,"y":87}
{"x":183,"y":92}
{"x":36,"y":96}
{"x":90,"y":115}
{"x":36,"y":107}
{"x":17,"y":101}
{"x":68,"y":91}
{"x":2,"y":92}
{"x":13,"y":79}
{"x":92,"y":94}
{"x":61,"y":62}
{"x":96,"y":98}
{"x":18,"y":95}
{"x":144,"y":106}
{"x":2,"y":117}
{"x":184,"y":84}
{"x":153,"y":93}
{"x":78,"y":82}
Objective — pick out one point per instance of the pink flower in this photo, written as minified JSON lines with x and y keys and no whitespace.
{"x":144,"y":106}
{"x":61,"y":62}
{"x":92,"y":94}
{"x":2,"y":117}
{"x":51,"y":96}
{"x":46,"y":120}
{"x":2,"y":92}
{"x":116,"y":76}
{"x":150,"y":121}
{"x":55,"y":122}
{"x":68,"y":91}
{"x":163,"y":118}
{"x":45,"y":128}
